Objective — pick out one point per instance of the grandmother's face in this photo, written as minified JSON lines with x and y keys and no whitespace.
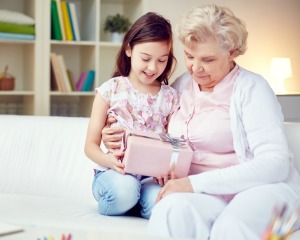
{"x":207,"y":63}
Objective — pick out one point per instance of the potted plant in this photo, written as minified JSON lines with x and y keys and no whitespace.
{"x":117,"y":25}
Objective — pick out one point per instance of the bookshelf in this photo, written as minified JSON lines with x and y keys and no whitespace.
{"x":29,"y":61}
{"x":93,"y":52}
{"x":22,"y":57}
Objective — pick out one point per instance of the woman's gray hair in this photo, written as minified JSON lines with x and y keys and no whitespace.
{"x":212,"y":21}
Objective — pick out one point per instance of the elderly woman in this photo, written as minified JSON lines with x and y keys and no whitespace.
{"x":242,"y":168}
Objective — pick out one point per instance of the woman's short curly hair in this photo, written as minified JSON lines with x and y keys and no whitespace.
{"x":212,"y":21}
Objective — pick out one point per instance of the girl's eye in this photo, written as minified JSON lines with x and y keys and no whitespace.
{"x":189,"y":56}
{"x":162,"y":61}
{"x":145,"y":59}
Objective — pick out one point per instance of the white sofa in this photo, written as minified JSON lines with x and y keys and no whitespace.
{"x":45,"y":177}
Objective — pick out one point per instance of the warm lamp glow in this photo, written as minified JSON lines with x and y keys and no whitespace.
{"x":280,"y":70}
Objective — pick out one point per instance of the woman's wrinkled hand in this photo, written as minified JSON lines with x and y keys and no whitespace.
{"x":175,"y":185}
{"x":112,"y":136}
{"x":164,"y":179}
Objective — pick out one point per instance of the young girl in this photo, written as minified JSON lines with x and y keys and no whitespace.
{"x":138,"y":97}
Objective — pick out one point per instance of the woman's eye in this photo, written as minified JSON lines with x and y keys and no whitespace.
{"x":209,"y":60}
{"x":145,"y":59}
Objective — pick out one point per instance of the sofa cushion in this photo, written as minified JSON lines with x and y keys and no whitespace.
{"x":44,"y":156}
{"x":25,"y":210}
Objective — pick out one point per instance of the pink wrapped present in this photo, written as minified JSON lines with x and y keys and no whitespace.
{"x":151,"y":154}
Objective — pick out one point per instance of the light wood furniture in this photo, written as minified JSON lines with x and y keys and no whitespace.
{"x":29,"y":61}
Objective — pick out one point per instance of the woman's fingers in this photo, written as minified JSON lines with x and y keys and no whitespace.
{"x":112,"y":137}
{"x":110,"y":120}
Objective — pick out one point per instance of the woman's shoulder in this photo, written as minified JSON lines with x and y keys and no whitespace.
{"x":248,"y":79}
{"x":249,"y":82}
{"x":181,"y":81}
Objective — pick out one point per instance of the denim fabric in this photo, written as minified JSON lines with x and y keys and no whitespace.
{"x":117,"y":194}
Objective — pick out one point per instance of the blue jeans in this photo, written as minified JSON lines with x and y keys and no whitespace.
{"x":117,"y":194}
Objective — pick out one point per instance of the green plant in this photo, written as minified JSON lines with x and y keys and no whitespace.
{"x":117,"y":23}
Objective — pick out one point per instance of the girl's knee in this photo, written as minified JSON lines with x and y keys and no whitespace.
{"x":116,"y":198}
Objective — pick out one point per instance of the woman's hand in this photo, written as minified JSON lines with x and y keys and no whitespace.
{"x":175,"y":185}
{"x":112,"y":136}
{"x":164,"y":179}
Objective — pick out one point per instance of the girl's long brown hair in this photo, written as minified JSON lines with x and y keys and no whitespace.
{"x":151,"y":27}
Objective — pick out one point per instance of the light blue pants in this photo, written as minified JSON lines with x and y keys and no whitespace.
{"x":117,"y":194}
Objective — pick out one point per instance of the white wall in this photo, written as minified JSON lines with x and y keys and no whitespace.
{"x":274,"y":31}
{"x":273,"y":26}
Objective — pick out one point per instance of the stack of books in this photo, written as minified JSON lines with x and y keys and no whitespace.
{"x":63,"y":79}
{"x":64,"y":21}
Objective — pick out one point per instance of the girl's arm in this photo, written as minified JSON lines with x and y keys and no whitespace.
{"x":94,"y":136}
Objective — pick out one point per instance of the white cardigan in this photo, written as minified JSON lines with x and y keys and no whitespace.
{"x":259,"y":140}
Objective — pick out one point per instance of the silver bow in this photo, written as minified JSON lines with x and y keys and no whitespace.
{"x":175,"y":142}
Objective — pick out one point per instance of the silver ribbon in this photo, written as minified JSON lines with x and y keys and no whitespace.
{"x":176,"y":143}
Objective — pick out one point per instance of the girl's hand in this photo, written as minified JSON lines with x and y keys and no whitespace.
{"x":175,"y":185}
{"x":112,"y":137}
{"x":116,"y":163}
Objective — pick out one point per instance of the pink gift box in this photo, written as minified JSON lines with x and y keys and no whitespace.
{"x":151,"y":154}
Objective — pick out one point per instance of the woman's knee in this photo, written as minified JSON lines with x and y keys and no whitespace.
{"x":176,"y":216}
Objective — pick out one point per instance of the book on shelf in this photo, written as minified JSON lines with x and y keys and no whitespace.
{"x":81,"y":81}
{"x":53,"y":80}
{"x":57,"y":75}
{"x":89,"y":81}
{"x":71,"y":79}
{"x":66,"y":21}
{"x":55,"y":26}
{"x":74,"y":20}
{"x":63,"y":68}
{"x":60,"y":17}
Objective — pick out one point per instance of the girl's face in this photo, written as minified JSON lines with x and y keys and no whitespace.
{"x":207,"y":63}
{"x":148,"y":61}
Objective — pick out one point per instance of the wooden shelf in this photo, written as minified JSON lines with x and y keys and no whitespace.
{"x":29,"y":61}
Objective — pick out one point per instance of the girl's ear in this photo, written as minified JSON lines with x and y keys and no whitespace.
{"x":128,"y":51}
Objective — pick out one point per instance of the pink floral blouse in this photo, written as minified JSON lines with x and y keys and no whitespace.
{"x":135,"y":110}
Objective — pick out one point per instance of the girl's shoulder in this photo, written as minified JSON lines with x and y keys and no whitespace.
{"x":114,"y":82}
{"x":118,"y":79}
{"x":168,"y":89}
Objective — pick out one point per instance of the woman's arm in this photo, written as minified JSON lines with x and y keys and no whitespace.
{"x":112,"y":136}
{"x":259,"y":140}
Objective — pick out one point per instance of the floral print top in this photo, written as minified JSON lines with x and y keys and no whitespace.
{"x":135,"y":110}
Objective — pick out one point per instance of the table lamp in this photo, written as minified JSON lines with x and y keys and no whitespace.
{"x":280,"y":70}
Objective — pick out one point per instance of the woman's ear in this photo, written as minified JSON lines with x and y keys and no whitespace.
{"x":128,"y":51}
{"x":233,"y":54}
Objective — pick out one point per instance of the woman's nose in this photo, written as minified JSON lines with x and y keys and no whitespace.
{"x":197,"y":67}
